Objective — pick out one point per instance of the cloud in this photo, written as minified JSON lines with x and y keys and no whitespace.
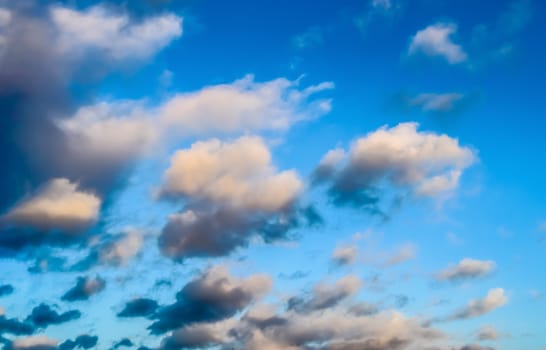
{"x":425,"y":163}
{"x":345,"y":255}
{"x":232,"y":192}
{"x":476,"y":347}
{"x":326,"y":296}
{"x":332,"y":328}
{"x":125,"y":342}
{"x":244,"y":106}
{"x":488,"y":333}
{"x":6,"y":289}
{"x":58,"y":205}
{"x":312,"y":37}
{"x":435,"y":40}
{"x":84,"y":341}
{"x":43,"y":316}
{"x":98,"y":30}
{"x":433,"y":102}
{"x":84,"y":288}
{"x":38,"y":342}
{"x":198,"y":336}
{"x":494,"y":299}
{"x":43,"y":63}
{"x":466,"y":269}
{"x":14,"y":326}
{"x":140,"y":307}
{"x":402,"y":254}
{"x":213,"y":296}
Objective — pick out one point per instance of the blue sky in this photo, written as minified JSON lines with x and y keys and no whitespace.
{"x":272,"y":175}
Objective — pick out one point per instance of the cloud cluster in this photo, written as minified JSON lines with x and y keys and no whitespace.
{"x":435,"y":40}
{"x":466,"y":269}
{"x":425,"y":163}
{"x":232,"y":191}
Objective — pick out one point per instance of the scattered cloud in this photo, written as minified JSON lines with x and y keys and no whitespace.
{"x":43,"y":316}
{"x":38,"y":342}
{"x":466,"y":269}
{"x":212,"y":296}
{"x":425,"y":163}
{"x":84,"y":341}
{"x":494,"y":299}
{"x":85,"y":287}
{"x":435,"y":40}
{"x":326,"y":296}
{"x":402,"y":254}
{"x":345,"y":255}
{"x":6,"y":289}
{"x":141,"y":307}
{"x":488,"y":333}
{"x":433,"y":102}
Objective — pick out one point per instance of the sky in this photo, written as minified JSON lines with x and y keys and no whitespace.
{"x":266,"y":175}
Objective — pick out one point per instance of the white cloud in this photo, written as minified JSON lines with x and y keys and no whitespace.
{"x":111,"y":132}
{"x":113,"y":35}
{"x":244,"y":105}
{"x":435,"y":40}
{"x":429,"y":164}
{"x":432,"y":102}
{"x":466,"y":269}
{"x":494,"y":299}
{"x":238,"y":174}
{"x":313,"y":36}
{"x":59,"y":204}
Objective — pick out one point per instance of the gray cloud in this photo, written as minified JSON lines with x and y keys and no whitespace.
{"x":466,"y":269}
{"x":494,"y":299}
{"x":6,"y":289}
{"x":140,"y":307}
{"x":84,"y":341}
{"x":213,"y":296}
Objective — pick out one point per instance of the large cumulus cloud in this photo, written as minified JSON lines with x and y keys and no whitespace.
{"x":232,"y":193}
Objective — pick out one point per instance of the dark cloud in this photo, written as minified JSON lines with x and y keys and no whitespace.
{"x":213,"y":296}
{"x":15,"y":327}
{"x":43,"y":315}
{"x":84,"y":288}
{"x":125,"y":342}
{"x":141,"y":307}
{"x":84,"y":341}
{"x":6,"y":289}
{"x":476,"y":347}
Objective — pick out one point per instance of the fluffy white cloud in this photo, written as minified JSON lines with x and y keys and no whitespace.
{"x":59,"y":204}
{"x":494,"y":299}
{"x":432,"y":102}
{"x":113,"y":35}
{"x":111,"y":132}
{"x":238,"y":174}
{"x":466,"y":269}
{"x":435,"y":40}
{"x":429,"y":164}
{"x":244,"y":105}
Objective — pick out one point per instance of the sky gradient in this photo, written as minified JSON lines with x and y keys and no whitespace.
{"x":272,"y":175}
